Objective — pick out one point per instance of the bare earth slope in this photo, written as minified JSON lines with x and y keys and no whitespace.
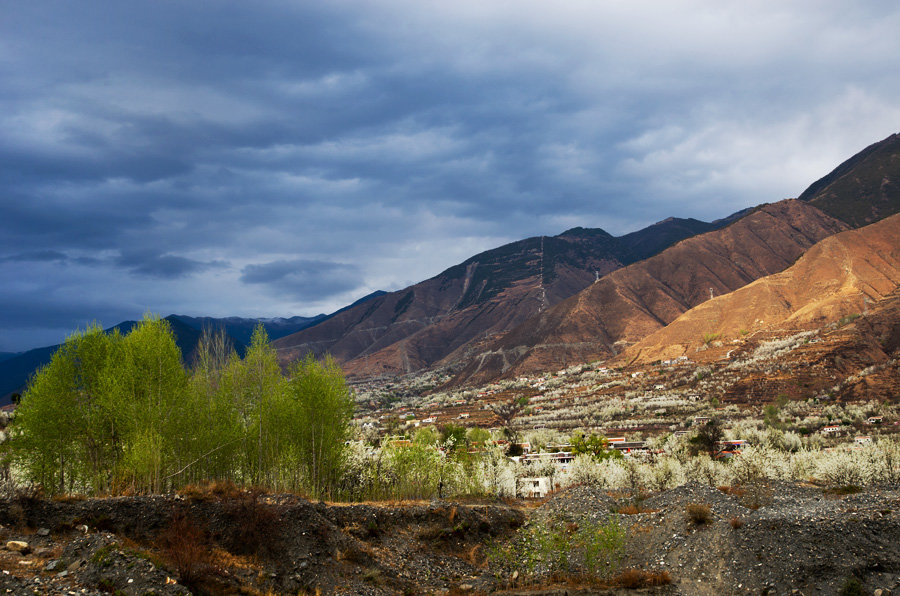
{"x":629,"y":304}
{"x":839,"y":276}
{"x":799,"y":541}
{"x":863,"y":189}
{"x":488,"y":294}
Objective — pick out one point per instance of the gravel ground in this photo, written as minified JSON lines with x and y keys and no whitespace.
{"x":778,"y":538}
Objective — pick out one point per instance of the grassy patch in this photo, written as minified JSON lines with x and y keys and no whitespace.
{"x":586,"y":550}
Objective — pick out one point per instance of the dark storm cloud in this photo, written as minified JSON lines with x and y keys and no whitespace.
{"x":162,"y":266}
{"x":306,"y":280}
{"x":235,"y":158}
{"x":36,"y":255}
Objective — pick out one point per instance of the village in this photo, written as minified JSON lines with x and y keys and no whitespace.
{"x":771,"y":391}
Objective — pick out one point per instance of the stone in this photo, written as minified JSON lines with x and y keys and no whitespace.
{"x":53,"y":565}
{"x":43,"y":532}
{"x":18,"y":546}
{"x":82,"y":528}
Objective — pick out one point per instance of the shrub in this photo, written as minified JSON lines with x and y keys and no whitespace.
{"x":699,"y":513}
{"x":253,"y":525}
{"x":546,"y":548}
{"x":708,"y":338}
{"x":852,"y":587}
{"x":186,"y":550}
{"x":736,"y":523}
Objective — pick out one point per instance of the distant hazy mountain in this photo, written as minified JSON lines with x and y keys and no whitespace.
{"x":240,"y":329}
{"x":16,"y":368}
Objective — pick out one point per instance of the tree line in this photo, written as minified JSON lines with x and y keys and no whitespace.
{"x":113,"y":413}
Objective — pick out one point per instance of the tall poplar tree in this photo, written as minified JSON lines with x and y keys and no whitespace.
{"x":322,"y":409}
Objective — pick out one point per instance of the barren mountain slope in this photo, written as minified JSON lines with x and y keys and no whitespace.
{"x":629,"y":304}
{"x":839,"y":276}
{"x":863,"y":189}
{"x":487,"y":294}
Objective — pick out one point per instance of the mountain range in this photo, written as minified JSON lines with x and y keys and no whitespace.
{"x":544,"y":302}
{"x":16,"y":368}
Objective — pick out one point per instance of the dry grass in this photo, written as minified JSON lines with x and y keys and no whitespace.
{"x":734,"y":491}
{"x":475,"y":556}
{"x":698,"y":513}
{"x":736,"y":523}
{"x":254,"y":528}
{"x":211,"y":491}
{"x":69,"y":498}
{"x":633,"y":579}
{"x":185,"y":547}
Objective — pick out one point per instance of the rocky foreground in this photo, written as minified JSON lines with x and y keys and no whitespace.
{"x":778,"y":539}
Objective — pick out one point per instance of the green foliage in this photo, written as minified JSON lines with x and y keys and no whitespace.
{"x":319,"y":414}
{"x":771,"y":416}
{"x":114,"y":413}
{"x":596,"y":446}
{"x":708,"y":338}
{"x":847,"y":319}
{"x":852,"y":587}
{"x":707,"y":437}
{"x":552,"y":548}
{"x":455,"y":434}
{"x":95,"y":415}
{"x":476,"y":435}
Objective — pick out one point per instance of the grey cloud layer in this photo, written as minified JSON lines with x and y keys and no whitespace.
{"x":282,"y":158}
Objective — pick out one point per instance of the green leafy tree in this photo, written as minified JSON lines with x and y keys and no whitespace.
{"x":321,"y":408}
{"x":101,"y":414}
{"x":211,"y":445}
{"x":255,"y":386}
{"x":454,"y":433}
{"x":145,"y":389}
{"x":596,"y":446}
{"x":43,"y":437}
{"x":708,"y":437}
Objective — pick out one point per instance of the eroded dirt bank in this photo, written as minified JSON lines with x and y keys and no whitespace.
{"x":763,"y":539}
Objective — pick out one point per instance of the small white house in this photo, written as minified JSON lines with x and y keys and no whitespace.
{"x":534,"y":487}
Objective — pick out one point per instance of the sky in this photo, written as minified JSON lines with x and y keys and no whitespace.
{"x":276,"y":158}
